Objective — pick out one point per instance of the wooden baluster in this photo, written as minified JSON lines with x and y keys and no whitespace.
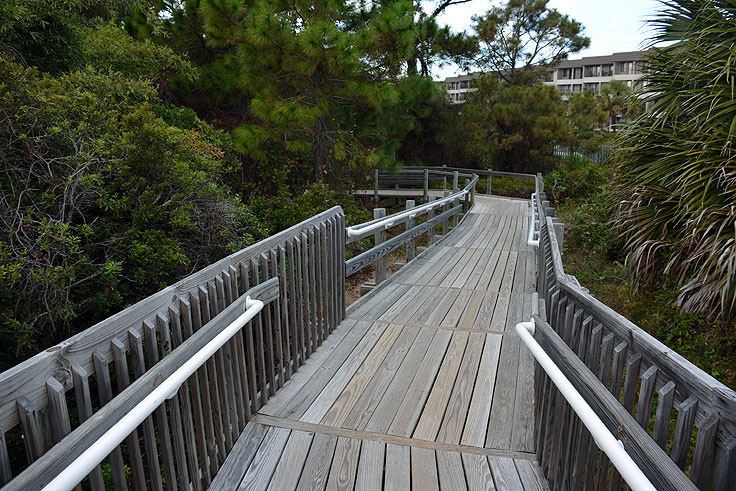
{"x":80,"y":378}
{"x":683,"y":430}
{"x":410,"y":246}
{"x":104,"y":389}
{"x":162,"y":419}
{"x":209,"y":456}
{"x":134,"y":451}
{"x":380,"y":237}
{"x":198,"y":432}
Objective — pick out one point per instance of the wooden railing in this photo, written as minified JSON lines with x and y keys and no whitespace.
{"x":684,"y":441}
{"x":449,"y":209}
{"x":112,"y":364}
{"x":425,"y":176}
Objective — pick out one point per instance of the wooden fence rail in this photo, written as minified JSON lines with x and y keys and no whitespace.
{"x":676,"y":421}
{"x":186,"y":440}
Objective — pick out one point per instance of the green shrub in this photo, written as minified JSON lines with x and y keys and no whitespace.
{"x":102,"y":202}
{"x":576,"y":178}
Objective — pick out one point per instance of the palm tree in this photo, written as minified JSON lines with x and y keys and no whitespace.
{"x":618,"y":100}
{"x":677,"y":183}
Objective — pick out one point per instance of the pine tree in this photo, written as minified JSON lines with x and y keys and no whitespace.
{"x":305,"y":73}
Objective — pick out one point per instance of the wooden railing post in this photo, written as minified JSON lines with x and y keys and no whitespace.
{"x":444,"y":178}
{"x":472,"y":191}
{"x":426,"y":185}
{"x":375,"y":186}
{"x":559,"y":231}
{"x":380,"y":237}
{"x":430,"y":231}
{"x":455,"y":188}
{"x":410,"y":246}
{"x":540,"y":183}
{"x":488,"y":184}
{"x":445,"y":208}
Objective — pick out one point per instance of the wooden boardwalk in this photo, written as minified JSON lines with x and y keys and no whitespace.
{"x":423,"y":386}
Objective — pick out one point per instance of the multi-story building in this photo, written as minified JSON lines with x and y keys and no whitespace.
{"x":458,"y":87}
{"x":571,"y":76}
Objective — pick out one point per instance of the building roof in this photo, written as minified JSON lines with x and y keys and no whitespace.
{"x":467,"y":76}
{"x":597,"y":60}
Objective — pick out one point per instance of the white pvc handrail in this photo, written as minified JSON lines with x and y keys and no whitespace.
{"x":85,"y":463}
{"x":613,"y":447}
{"x":532,"y":239}
{"x":363,"y":230}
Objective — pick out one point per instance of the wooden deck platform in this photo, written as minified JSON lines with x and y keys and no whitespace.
{"x":423,"y":386}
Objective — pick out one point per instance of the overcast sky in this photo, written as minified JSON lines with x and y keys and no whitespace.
{"x":612,"y":26}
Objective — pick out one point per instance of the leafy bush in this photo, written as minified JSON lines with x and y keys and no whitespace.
{"x":280,"y":212}
{"x":102,"y":202}
{"x":576,"y":178}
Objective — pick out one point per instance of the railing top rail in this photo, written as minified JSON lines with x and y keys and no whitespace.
{"x":463,"y":172}
{"x":362,"y":230}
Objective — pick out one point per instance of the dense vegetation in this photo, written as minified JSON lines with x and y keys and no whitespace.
{"x":142,"y":140}
{"x":677,"y":182}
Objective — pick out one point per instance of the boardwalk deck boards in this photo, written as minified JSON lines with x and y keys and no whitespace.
{"x":429,"y":357}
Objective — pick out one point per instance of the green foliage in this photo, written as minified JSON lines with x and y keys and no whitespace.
{"x":515,"y":127}
{"x":676,"y":169}
{"x":587,"y":117}
{"x":524,"y":36}
{"x":43,"y":33}
{"x":102,"y":201}
{"x":577,"y":178}
{"x":107,"y":47}
{"x":581,"y":189}
{"x":280,"y":212}
{"x":617,"y":100}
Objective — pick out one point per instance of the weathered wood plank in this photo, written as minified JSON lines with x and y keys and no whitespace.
{"x":287,"y":472}
{"x":477,"y":473}
{"x":370,"y":466}
{"x":398,"y":468}
{"x":424,"y":469}
{"x":344,"y":465}
{"x":240,"y":457}
{"x":317,"y":466}
{"x":264,"y":462}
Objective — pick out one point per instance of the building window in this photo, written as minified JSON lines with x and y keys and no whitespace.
{"x":577,"y":72}
{"x":592,"y":70}
{"x":564,"y":73}
{"x":550,"y":76}
{"x":624,"y":67}
{"x":577,"y":88}
{"x":594,"y":86}
{"x":464,"y":84}
{"x":607,"y":70}
{"x":565,"y":89}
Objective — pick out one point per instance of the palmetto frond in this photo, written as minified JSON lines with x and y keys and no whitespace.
{"x":677,"y":165}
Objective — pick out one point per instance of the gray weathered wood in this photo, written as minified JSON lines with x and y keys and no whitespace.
{"x":379,"y":238}
{"x":28,"y":379}
{"x":410,"y":247}
{"x":664,"y":409}
{"x":376,"y":253}
{"x":61,"y":455}
{"x":683,"y":430}
{"x":104,"y":388}
{"x":5,"y":473}
{"x":658,"y":467}
{"x":703,"y":458}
